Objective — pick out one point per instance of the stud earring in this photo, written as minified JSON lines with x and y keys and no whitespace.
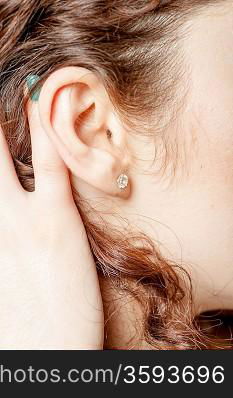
{"x":122,"y":181}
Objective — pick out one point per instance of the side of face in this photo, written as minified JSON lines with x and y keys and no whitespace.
{"x":193,"y":216}
{"x":210,"y":54}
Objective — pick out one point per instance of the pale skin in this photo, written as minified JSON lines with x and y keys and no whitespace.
{"x":50,"y":297}
{"x":192,"y":215}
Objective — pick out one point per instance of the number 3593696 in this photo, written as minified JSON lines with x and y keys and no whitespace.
{"x":173,"y":374}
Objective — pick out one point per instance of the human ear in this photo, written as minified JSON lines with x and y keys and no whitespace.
{"x":77,"y":115}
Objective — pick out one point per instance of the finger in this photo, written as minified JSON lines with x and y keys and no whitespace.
{"x":51,"y":174}
{"x":8,"y":176}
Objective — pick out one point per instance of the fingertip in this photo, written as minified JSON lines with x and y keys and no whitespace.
{"x":33,"y":86}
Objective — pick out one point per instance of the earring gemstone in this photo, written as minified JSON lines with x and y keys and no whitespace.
{"x":122,"y":181}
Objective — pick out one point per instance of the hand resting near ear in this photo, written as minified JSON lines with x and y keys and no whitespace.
{"x":50,"y":296}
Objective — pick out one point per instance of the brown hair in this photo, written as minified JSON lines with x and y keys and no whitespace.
{"x":128,"y":44}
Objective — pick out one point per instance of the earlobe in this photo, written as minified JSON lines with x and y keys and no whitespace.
{"x":76,"y":113}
